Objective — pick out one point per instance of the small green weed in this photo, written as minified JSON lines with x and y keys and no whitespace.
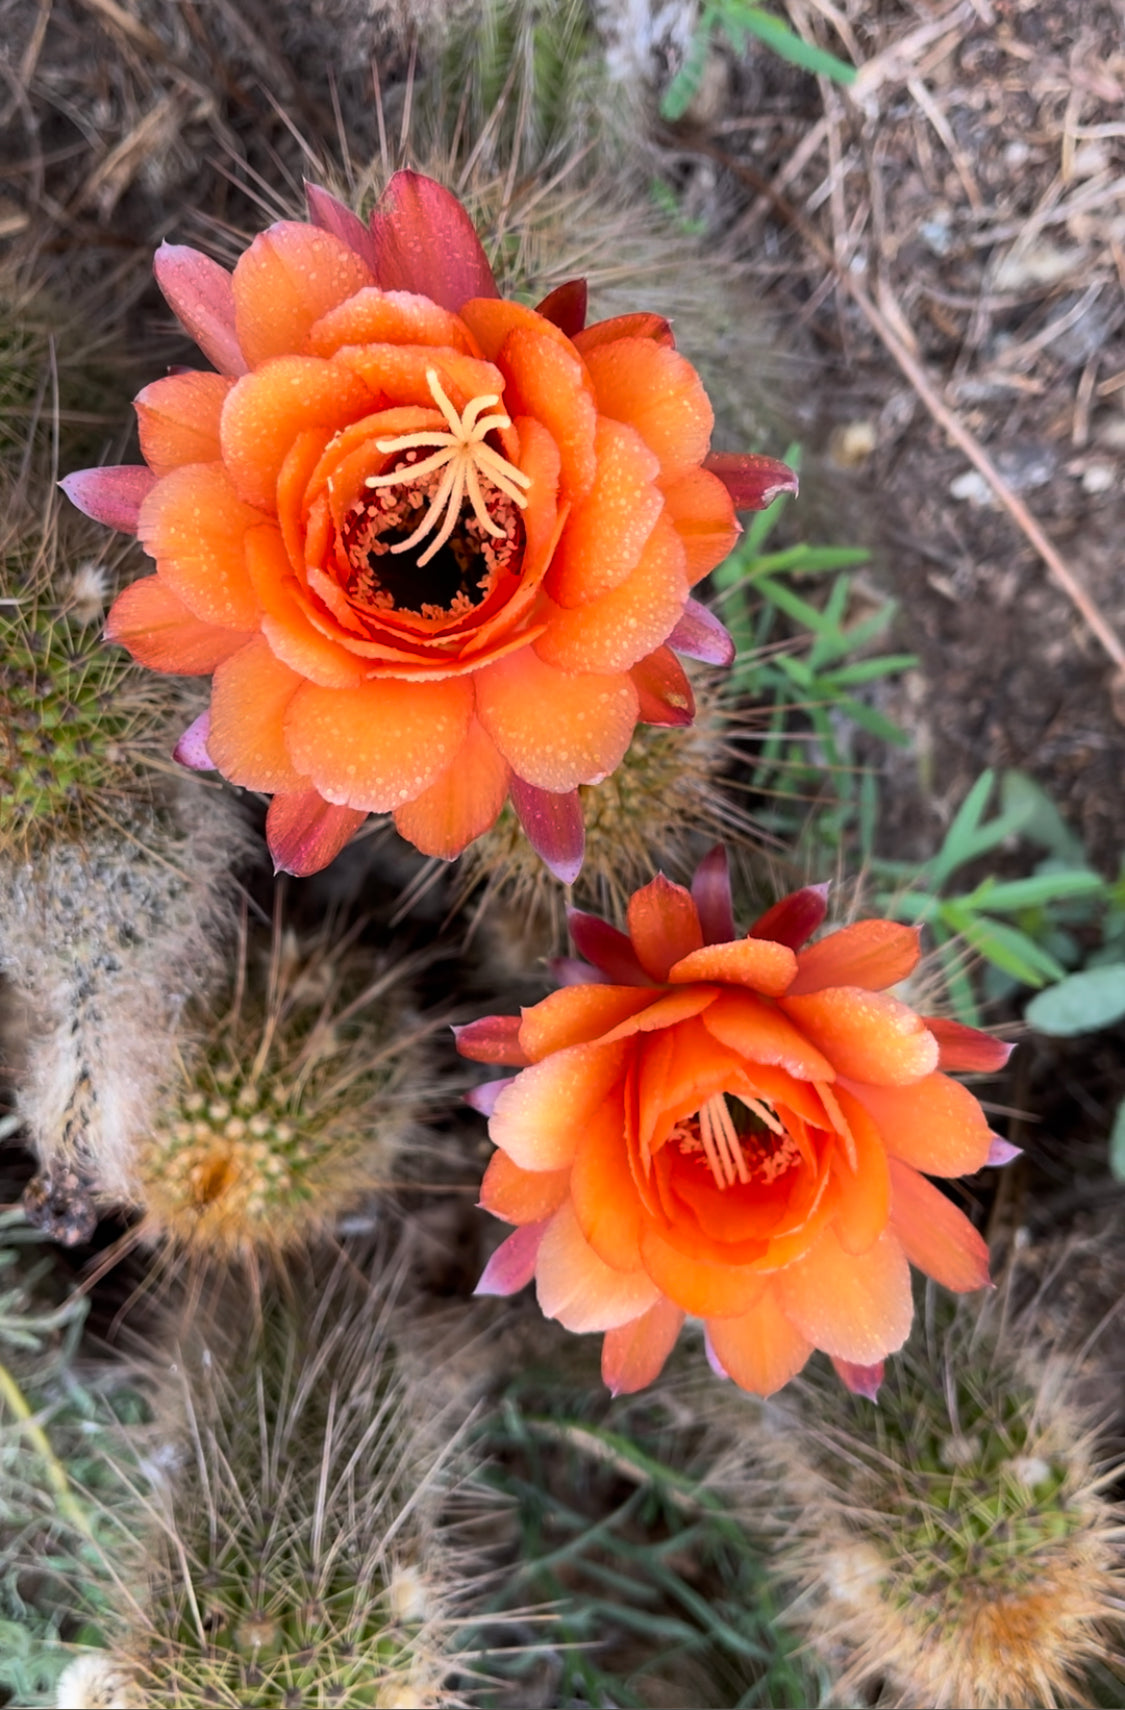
{"x":738,"y":21}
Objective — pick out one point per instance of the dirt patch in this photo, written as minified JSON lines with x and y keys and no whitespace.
{"x":970,"y":187}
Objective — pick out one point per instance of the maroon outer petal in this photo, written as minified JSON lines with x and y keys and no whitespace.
{"x":191,"y":749}
{"x":967,"y":1049}
{"x":607,"y":948}
{"x":425,"y":242}
{"x":331,"y":215}
{"x":554,"y":827}
{"x":483,"y":1098}
{"x":493,"y":1039}
{"x":795,"y":918}
{"x":512,"y":1265}
{"x":305,"y":833}
{"x":710,"y":890}
{"x":663,"y":690}
{"x":112,"y":495}
{"x":752,"y":482}
{"x":565,"y":306}
{"x":861,"y":1380}
{"x":200,"y":295}
{"x":700,"y":635}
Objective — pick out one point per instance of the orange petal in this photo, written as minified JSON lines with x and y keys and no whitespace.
{"x":657,"y":391}
{"x":663,"y":925}
{"x":521,"y":1196}
{"x":754,"y":962}
{"x":607,"y":529}
{"x":633,"y":1355}
{"x":556,"y":730}
{"x":700,"y":510}
{"x":304,"y":832}
{"x":286,"y":624}
{"x":761,"y":1034}
{"x":581,"y":1290}
{"x":602,"y":1191}
{"x":290,"y":276}
{"x":546,"y":380}
{"x":193,"y":524}
{"x":460,"y":804}
{"x":667,"y":1011}
{"x":861,"y":1183}
{"x":935,"y":1236}
{"x":760,"y":1350}
{"x":868,"y":1036}
{"x":579,"y":1015}
{"x":936,"y":1124}
{"x":267,"y":410}
{"x":872,"y":954}
{"x":617,"y":629}
{"x":380,"y":745}
{"x":538,"y":1119}
{"x":854,"y":1306}
{"x":644,"y":324}
{"x":160,"y":631}
{"x":387,"y":317}
{"x":249,"y":697}
{"x":178,"y":420}
{"x":703,"y":1287}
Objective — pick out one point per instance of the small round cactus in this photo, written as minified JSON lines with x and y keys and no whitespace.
{"x":292,"y":1107}
{"x":953,"y":1541}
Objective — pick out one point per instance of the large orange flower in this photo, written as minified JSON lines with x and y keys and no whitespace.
{"x":435,"y":547}
{"x":735,"y":1128}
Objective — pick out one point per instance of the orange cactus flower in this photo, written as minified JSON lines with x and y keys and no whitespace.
{"x":739,"y":1129}
{"x":435,"y":548}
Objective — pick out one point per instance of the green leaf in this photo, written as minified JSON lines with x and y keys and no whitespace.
{"x":958,"y":846}
{"x":1040,"y":889}
{"x":1117,"y":1144}
{"x":1082,"y":1003}
{"x":870,"y":670}
{"x":788,"y":45}
{"x":680,"y":92}
{"x":1042,"y":821}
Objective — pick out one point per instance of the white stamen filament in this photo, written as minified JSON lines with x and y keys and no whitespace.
{"x":721,"y":1143}
{"x":465,"y":458}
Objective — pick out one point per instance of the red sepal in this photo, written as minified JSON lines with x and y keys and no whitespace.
{"x":752,"y":482}
{"x":425,"y":242}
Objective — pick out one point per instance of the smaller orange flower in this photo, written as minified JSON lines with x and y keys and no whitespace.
{"x":739,"y":1129}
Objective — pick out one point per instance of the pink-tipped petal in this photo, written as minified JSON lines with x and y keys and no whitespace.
{"x":112,"y":495}
{"x":191,"y":749}
{"x":752,"y":482}
{"x":554,"y":827}
{"x":711,"y":889}
{"x":608,"y":949}
{"x":861,"y":1380}
{"x":483,"y":1098}
{"x":565,"y":306}
{"x":795,"y":918}
{"x":493,"y":1039}
{"x":200,"y":295}
{"x":305,"y":833}
{"x":713,"y":1359}
{"x":426,"y":242}
{"x":664,"y":695}
{"x":512,"y":1266}
{"x":1001,"y":1152}
{"x":966,"y":1050}
{"x":570,"y":971}
{"x":700,"y":635}
{"x":633,"y":1355}
{"x":331,"y":215}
